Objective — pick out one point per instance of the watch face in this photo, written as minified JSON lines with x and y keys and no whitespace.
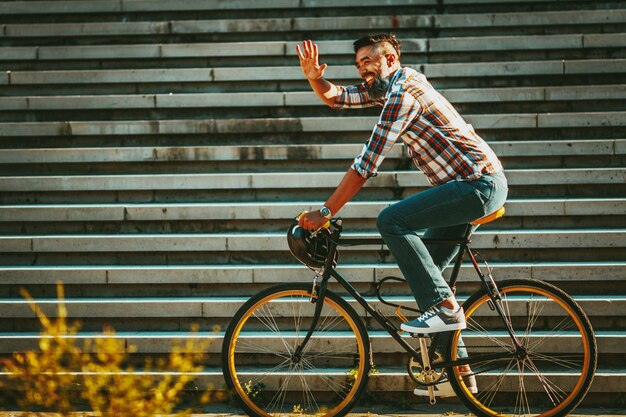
{"x":325,"y":211}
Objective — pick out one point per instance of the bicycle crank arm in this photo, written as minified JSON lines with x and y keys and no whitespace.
{"x":427,"y":369}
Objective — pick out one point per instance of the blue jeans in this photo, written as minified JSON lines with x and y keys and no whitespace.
{"x":443,"y":211}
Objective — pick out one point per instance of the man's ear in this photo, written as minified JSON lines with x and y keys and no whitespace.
{"x":391,"y":59}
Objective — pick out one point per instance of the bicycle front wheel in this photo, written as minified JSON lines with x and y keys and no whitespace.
{"x":552,"y":372}
{"x":264,"y":372}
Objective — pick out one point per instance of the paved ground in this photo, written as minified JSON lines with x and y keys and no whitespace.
{"x":423,"y":410}
{"x":420,"y":410}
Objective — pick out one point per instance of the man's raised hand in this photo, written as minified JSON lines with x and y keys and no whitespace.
{"x":309,"y":60}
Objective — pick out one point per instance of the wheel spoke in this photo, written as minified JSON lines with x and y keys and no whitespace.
{"x":561,"y":328}
{"x":490,"y":392}
{"x":533,"y":315}
{"x":270,"y":372}
{"x":475,"y":326}
{"x":562,"y":360}
{"x":329,"y":324}
{"x":256,"y":347}
{"x":522,"y":405}
{"x":313,"y":381}
{"x":279,"y":397}
{"x":330,"y":382}
{"x":308,"y":393}
{"x":272,"y":325}
{"x":556,"y":351}
{"x":555,"y":393}
{"x":297,"y":318}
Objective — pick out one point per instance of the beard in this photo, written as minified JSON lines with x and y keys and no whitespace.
{"x":378,"y":88}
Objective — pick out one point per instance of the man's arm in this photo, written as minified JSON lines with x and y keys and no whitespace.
{"x":397,"y":114}
{"x":351,"y":183}
{"x":314,"y":73}
{"x":325,"y":90}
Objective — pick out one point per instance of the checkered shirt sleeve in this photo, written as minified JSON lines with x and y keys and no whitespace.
{"x":399,"y":112}
{"x":354,"y":97}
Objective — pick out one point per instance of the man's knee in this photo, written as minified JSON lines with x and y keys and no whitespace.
{"x":387,"y":222}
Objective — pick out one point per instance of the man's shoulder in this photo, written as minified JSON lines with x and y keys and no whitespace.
{"x":409,"y":73}
{"x":407,"y":79}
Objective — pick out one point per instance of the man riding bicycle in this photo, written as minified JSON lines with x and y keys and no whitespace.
{"x":467,"y":177}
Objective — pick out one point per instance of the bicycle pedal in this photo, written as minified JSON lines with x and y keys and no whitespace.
{"x":420,"y":335}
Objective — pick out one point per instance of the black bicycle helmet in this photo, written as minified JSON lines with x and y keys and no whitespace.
{"x":309,"y":247}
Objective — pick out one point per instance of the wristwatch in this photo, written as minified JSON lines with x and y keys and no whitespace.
{"x":325,"y":212}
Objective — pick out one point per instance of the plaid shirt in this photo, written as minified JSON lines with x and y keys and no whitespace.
{"x":442,"y":145}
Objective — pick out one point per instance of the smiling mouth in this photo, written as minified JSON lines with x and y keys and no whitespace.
{"x":368,"y":78}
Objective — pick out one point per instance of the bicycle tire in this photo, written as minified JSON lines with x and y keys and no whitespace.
{"x":562,"y":353}
{"x":261,"y":372}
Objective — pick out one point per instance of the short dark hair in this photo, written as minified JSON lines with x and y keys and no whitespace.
{"x":379,"y":40}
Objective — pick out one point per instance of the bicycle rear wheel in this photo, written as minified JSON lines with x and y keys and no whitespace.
{"x":552,"y":374}
{"x":260,"y":367}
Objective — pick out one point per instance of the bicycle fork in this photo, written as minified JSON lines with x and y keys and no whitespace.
{"x":315,"y":298}
{"x":318,"y":299}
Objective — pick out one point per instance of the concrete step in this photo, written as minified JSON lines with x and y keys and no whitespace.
{"x":597,"y":306}
{"x":305,"y":24}
{"x":606,"y":380}
{"x":225,"y":153}
{"x":255,"y":181}
{"x":238,"y":153}
{"x":334,"y":72}
{"x":269,"y":242}
{"x":528,"y":42}
{"x":127,"y":6}
{"x":161,"y":342}
{"x":574,"y":17}
{"x":278,"y":210}
{"x":58,"y":7}
{"x":289,"y":99}
{"x":295,"y":125}
{"x":246,"y":274}
{"x":330,"y":49}
{"x":481,"y":2}
{"x":98,"y":7}
{"x":521,"y":68}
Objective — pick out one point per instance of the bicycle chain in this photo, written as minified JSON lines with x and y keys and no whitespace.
{"x":441,"y":376}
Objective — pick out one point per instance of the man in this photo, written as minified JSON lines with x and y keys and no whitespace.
{"x":467,"y":177}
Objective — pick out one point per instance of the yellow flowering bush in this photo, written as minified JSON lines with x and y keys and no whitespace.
{"x":62,"y":374}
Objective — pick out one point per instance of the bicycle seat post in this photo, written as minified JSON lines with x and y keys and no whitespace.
{"x":459,"y":258}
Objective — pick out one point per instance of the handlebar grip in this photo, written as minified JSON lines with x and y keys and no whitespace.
{"x":324,"y":226}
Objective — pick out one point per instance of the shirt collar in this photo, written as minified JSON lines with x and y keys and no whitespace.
{"x":394,"y":79}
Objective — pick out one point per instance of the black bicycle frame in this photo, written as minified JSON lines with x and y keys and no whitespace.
{"x":439,"y":338}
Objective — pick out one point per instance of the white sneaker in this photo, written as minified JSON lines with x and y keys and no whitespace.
{"x":436,"y":319}
{"x":444,"y":390}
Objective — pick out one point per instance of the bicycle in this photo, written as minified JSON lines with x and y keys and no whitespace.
{"x":301,"y":348}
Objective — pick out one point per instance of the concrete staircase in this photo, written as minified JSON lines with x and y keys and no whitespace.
{"x":152,"y":154}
